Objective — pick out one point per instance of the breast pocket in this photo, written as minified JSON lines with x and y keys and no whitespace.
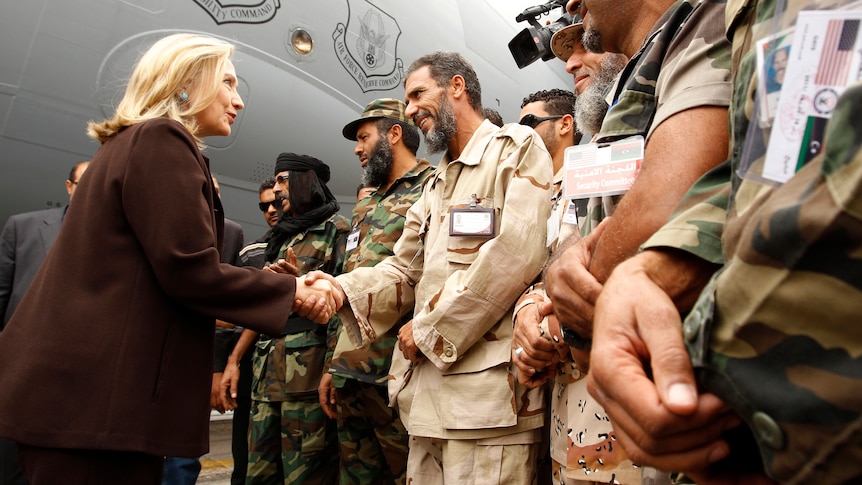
{"x":463,"y":250}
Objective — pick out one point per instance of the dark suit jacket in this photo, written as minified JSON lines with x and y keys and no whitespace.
{"x":234,"y":240}
{"x":112,"y":346}
{"x":24,"y":243}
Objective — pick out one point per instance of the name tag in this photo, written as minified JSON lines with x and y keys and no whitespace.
{"x":472,"y":221}
{"x":353,"y":240}
{"x":598,"y":169}
{"x":571,"y":216}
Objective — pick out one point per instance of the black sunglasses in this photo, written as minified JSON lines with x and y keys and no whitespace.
{"x":265,"y":205}
{"x":533,"y":121}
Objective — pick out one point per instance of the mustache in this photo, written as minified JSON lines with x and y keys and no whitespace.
{"x":421,"y":114}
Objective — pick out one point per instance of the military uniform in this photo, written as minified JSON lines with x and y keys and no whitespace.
{"x":774,"y":333}
{"x":291,"y":439}
{"x":462,"y":290}
{"x":684,"y":63}
{"x":372,"y":438}
{"x":565,"y":227}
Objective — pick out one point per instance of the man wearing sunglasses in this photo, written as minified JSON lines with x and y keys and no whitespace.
{"x":539,"y":350}
{"x":673,"y":92}
{"x":252,"y":255}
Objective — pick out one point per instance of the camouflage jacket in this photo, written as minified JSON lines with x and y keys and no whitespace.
{"x":291,"y":365}
{"x":773,"y":332}
{"x":684,"y":63}
{"x":379,"y":220}
{"x":462,"y":289}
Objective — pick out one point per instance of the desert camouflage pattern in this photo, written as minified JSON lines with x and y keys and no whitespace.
{"x":590,"y":449}
{"x":683,"y":64}
{"x":462,"y":290}
{"x":774,"y":334}
{"x":289,"y":431}
{"x":380,"y":220}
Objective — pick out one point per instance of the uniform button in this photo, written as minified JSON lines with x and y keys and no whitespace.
{"x":448,"y":352}
{"x":691,"y":327}
{"x":370,"y":230}
{"x":768,"y":430}
{"x":359,"y":258}
{"x":380,"y":204}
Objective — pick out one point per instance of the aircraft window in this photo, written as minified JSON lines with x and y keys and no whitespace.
{"x":301,"y":42}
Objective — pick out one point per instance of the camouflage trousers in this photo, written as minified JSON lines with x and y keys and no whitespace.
{"x":371,"y":437}
{"x":291,"y":442}
{"x":651,"y":476}
{"x":435,"y":461}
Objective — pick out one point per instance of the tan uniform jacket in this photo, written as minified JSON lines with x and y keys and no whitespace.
{"x":463,"y":289}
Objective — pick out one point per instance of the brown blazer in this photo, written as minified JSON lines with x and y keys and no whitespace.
{"x":112,"y":346}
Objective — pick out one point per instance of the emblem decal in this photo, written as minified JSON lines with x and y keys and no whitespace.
{"x":258,"y":13}
{"x":368,"y":53}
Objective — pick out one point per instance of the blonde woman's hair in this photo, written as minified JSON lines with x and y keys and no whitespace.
{"x":176,"y":64}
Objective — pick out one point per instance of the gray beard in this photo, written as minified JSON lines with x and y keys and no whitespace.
{"x":591,"y":107}
{"x":437,"y":139}
{"x":379,"y":165}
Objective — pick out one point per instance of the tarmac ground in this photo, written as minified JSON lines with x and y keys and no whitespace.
{"x":217,"y":465}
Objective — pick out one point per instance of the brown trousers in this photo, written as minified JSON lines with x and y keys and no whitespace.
{"x":55,"y":466}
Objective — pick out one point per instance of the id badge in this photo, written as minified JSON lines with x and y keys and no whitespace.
{"x":571,"y":216}
{"x":599,"y":169}
{"x":553,"y":228}
{"x":352,"y":240}
{"x":474,"y":220}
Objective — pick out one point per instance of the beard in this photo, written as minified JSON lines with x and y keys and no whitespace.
{"x":590,"y":106}
{"x":549,"y":136}
{"x":592,"y":41}
{"x":437,"y":139}
{"x":379,"y":165}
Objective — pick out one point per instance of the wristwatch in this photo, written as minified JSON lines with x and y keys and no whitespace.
{"x":574,"y":340}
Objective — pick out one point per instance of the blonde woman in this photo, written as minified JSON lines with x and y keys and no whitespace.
{"x":106,"y":364}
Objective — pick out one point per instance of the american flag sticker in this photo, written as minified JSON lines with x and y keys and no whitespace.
{"x":837,"y":54}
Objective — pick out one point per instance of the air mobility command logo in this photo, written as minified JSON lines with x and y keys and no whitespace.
{"x":366,"y":47}
{"x":240,"y":12}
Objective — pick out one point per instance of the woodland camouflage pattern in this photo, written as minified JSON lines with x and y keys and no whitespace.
{"x":776,"y":333}
{"x":380,"y":219}
{"x":652,"y":87}
{"x":373,"y":441}
{"x":289,"y":431}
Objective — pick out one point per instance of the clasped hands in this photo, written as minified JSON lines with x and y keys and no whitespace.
{"x":318,"y":295}
{"x":536,"y":352}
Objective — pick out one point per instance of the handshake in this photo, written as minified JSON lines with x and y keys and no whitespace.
{"x":318,"y":295}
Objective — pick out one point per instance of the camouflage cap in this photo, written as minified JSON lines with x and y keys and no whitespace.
{"x":563,"y":40}
{"x":379,"y":108}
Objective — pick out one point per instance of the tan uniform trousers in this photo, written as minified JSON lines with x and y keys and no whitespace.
{"x":433,"y":461}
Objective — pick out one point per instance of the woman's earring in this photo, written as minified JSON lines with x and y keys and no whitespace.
{"x":184,"y":95}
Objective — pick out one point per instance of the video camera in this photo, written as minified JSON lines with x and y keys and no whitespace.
{"x":534,"y":42}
